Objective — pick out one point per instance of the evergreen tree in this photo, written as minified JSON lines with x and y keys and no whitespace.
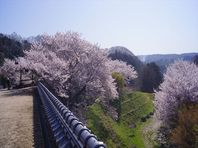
{"x":151,"y":77}
{"x":196,"y":60}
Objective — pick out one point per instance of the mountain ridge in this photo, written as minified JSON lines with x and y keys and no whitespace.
{"x":154,"y":57}
{"x":163,"y":60}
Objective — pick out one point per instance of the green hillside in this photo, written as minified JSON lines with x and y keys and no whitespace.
{"x":126,"y":132}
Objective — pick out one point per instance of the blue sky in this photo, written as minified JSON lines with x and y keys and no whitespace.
{"x":143,"y":26}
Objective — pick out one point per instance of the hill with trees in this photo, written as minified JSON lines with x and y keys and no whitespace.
{"x":149,"y":75}
{"x":163,"y":60}
{"x":12,"y":46}
{"x":124,"y":54}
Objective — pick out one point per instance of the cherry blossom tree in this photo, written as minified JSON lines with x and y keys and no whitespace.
{"x":180,"y":86}
{"x":15,"y":69}
{"x":9,"y":69}
{"x":121,"y":67}
{"x":74,"y":68}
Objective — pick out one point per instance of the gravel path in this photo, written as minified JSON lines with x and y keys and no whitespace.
{"x":16,"y":118}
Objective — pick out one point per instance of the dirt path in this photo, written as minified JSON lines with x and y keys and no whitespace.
{"x":16,"y":119}
{"x":149,"y":132}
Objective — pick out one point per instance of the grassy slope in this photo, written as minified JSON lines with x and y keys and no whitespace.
{"x":119,"y":134}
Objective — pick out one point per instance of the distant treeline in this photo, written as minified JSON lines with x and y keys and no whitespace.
{"x":164,"y":60}
{"x":11,"y":47}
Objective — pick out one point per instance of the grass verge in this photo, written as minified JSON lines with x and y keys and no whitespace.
{"x":134,"y":107}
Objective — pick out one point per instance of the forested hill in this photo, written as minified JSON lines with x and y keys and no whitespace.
{"x":12,"y":46}
{"x":124,"y":54}
{"x":166,"y":58}
{"x":163,"y":60}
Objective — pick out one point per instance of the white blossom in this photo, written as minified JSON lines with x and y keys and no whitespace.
{"x":180,"y":86}
{"x":74,"y":67}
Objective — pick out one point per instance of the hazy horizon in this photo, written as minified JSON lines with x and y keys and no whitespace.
{"x":144,"y":27}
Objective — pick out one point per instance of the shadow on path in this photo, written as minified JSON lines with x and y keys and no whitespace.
{"x":43,"y":137}
{"x":37,"y":126}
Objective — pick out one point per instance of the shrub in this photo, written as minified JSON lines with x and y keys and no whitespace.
{"x":143,"y":119}
{"x":151,"y":113}
{"x":185,"y":134}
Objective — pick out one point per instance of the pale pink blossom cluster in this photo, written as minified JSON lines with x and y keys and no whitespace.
{"x":180,"y":86}
{"x":73,"y":67}
{"x":127,"y":71}
{"x":10,"y":70}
